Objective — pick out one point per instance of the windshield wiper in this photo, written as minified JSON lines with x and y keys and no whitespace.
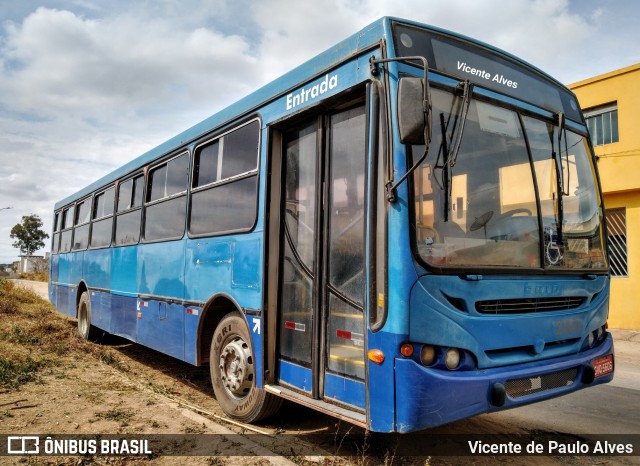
{"x":451,"y":156}
{"x":557,"y":157}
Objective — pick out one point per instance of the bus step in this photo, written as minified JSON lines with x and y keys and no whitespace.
{"x":319,"y":405}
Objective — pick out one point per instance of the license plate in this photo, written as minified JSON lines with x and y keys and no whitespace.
{"x":603,"y":366}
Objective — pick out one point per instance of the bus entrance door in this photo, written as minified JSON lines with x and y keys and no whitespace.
{"x":322,"y":282}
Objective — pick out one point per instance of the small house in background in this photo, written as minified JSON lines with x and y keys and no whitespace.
{"x":32,"y":264}
{"x":610,"y":103}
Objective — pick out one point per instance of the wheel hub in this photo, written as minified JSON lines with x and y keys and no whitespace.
{"x":236,"y":369}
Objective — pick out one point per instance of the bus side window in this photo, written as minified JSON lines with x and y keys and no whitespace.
{"x":66,"y":231}
{"x":81,"y":225}
{"x":128,"y":211}
{"x":166,"y":200}
{"x":102,"y":219}
{"x":225,"y":183}
{"x":55,"y":242}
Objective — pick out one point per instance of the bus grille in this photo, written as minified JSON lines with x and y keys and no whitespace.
{"x":521,"y":306}
{"x":529,"y":385}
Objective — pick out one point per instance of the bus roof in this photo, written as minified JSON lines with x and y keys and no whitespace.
{"x":352,"y":46}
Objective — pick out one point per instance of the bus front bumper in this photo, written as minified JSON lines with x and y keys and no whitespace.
{"x":428,"y":397}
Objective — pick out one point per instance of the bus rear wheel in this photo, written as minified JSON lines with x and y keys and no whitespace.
{"x":233,"y":373}
{"x":86,"y":331}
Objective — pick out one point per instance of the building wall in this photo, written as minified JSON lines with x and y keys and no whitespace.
{"x":29,"y":264}
{"x":624,"y":306}
{"x":619,"y":166}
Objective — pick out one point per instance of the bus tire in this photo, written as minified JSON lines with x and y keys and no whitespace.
{"x":233,"y":373}
{"x":86,"y":331}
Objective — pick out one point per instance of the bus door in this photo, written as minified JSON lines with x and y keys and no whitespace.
{"x":321,"y":287}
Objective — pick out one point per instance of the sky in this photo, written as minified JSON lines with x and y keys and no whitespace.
{"x":86,"y":86}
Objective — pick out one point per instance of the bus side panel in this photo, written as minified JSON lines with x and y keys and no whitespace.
{"x":124,"y":265}
{"x":247,"y":270}
{"x":101,"y":310}
{"x":160,"y":326}
{"x":124,"y":286}
{"x":76,"y":268}
{"x":65,"y":295}
{"x":246,"y":281}
{"x":208,"y":268}
{"x":161,"y":269}
{"x":97,"y":269}
{"x":65,"y":300}
{"x":97,"y":275}
{"x":191,"y":321}
{"x":231,"y":266}
{"x":53,"y":279}
{"x":124,"y":310}
{"x":226,"y":266}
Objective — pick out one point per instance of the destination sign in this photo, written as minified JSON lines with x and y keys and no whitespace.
{"x":485,"y":67}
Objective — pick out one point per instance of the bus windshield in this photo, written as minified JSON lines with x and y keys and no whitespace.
{"x":498,"y":201}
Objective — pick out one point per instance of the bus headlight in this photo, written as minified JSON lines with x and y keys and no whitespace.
{"x":452,"y":358}
{"x":592,"y":339}
{"x":427,"y":355}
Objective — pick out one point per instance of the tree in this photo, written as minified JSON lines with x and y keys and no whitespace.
{"x":28,"y":235}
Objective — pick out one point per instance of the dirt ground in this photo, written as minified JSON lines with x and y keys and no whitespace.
{"x":117,"y":387}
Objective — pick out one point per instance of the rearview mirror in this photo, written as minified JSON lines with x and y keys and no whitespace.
{"x":412,"y":110}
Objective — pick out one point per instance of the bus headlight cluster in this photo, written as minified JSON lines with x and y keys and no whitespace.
{"x":439,"y":357}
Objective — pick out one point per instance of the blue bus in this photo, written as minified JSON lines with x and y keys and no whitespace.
{"x":404,"y":231}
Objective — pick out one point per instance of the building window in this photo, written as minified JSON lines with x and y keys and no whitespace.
{"x":603,"y":124}
{"x":617,"y":231}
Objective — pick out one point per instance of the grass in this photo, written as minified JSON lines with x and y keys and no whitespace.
{"x":38,"y":277}
{"x":35,"y":336}
{"x":117,"y":415}
{"x":13,"y":374}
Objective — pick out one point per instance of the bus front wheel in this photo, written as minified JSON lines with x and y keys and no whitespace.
{"x":233,"y":373}
{"x":85,"y":329}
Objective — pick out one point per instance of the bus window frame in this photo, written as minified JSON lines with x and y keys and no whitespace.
{"x":76,"y":212}
{"x":57,"y":220}
{"x":77,"y":204}
{"x":67,"y":214}
{"x":116,"y":213}
{"x":223,"y":181}
{"x":93,"y":220}
{"x":145,"y":204}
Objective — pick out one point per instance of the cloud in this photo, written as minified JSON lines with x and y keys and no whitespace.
{"x":86,"y":86}
{"x":547,"y":33}
{"x":81,"y":96}
{"x":117,"y":66}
